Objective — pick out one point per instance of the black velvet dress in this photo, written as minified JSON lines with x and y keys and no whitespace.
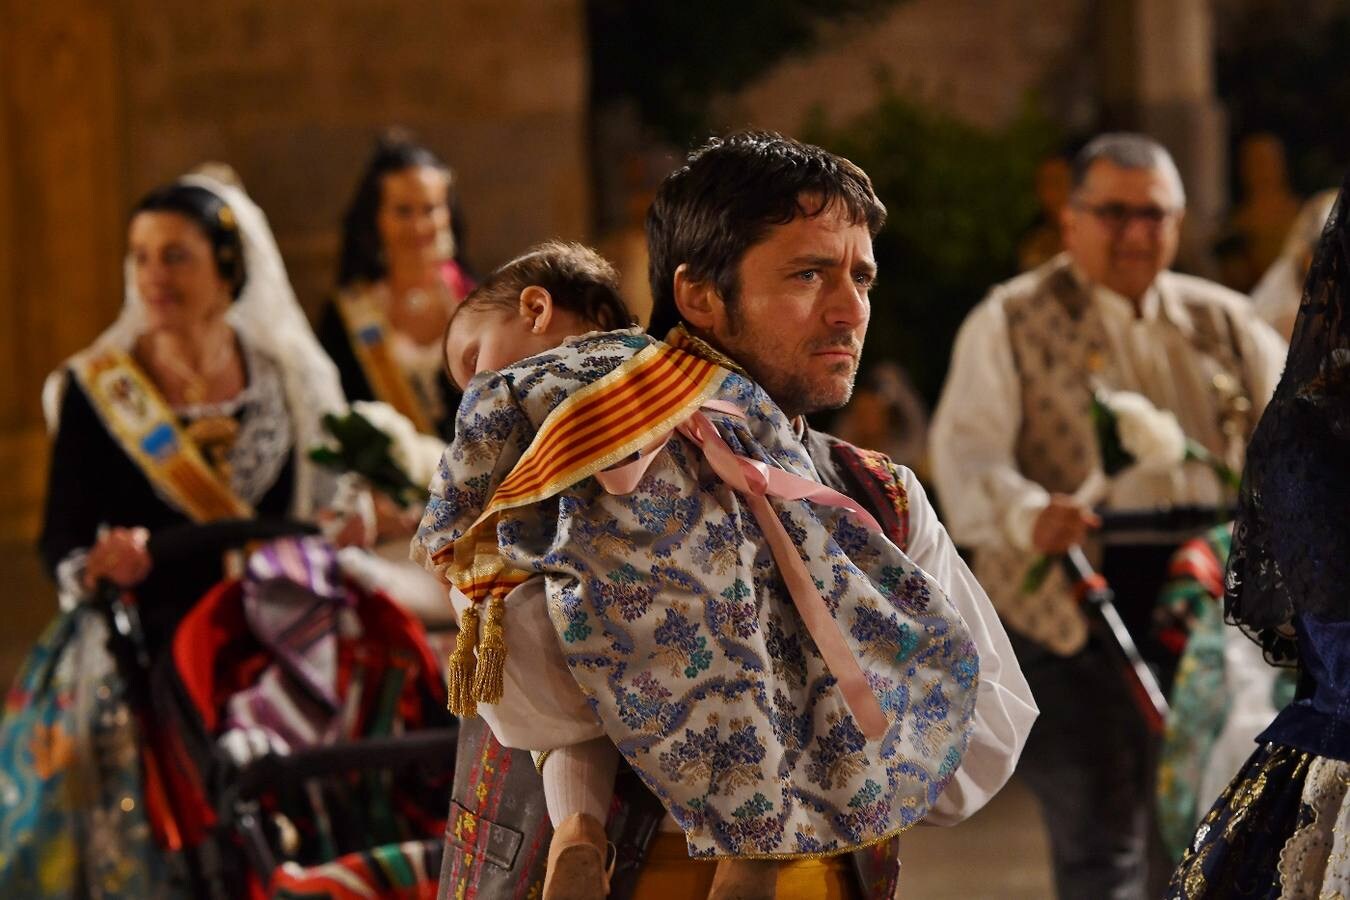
{"x":332,"y":334}
{"x":94,"y":482}
{"x":1277,"y":830}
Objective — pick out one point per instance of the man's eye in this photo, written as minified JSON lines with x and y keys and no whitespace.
{"x":809,"y":275}
{"x":866,"y":281}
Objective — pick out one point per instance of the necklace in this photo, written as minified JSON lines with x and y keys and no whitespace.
{"x":214,"y":435}
{"x":168,"y":362}
{"x":419,"y":312}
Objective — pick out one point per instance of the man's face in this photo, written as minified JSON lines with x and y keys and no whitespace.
{"x":799,"y":321}
{"x":1122,"y":226}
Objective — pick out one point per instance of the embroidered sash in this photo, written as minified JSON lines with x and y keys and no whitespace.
{"x":598,"y":426}
{"x":140,"y":420}
{"x":875,"y":475}
{"x":368,"y":333}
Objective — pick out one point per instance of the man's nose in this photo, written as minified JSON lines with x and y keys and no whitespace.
{"x":1138,"y":232}
{"x":848,"y":305}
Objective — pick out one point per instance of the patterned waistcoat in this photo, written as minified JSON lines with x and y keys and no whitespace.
{"x":498,"y":831}
{"x":1060,"y":347}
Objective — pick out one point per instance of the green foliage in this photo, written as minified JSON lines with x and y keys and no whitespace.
{"x":364,"y":449}
{"x":671,"y":59}
{"x":959,"y":200}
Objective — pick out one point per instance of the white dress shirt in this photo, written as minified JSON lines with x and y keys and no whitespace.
{"x":987,"y":500}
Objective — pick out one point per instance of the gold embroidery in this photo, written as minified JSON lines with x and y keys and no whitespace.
{"x":367,"y":331}
{"x":139,"y":419}
{"x":680,"y":338}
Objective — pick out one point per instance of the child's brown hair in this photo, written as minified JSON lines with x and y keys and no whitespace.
{"x":578,"y":279}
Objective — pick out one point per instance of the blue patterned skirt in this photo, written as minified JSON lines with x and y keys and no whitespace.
{"x":1269,"y":832}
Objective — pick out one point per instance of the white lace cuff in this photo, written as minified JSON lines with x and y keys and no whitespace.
{"x":70,"y":590}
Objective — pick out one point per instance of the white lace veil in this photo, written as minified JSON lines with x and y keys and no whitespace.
{"x":268,"y":318}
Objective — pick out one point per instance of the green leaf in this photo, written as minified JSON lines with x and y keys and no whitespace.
{"x":364,"y":450}
{"x":1115,"y":458}
{"x":1036,"y":575}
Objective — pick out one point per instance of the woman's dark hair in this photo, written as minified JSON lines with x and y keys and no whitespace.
{"x":727,"y":196}
{"x":578,"y":279}
{"x":215,"y":219}
{"x":362,"y":257}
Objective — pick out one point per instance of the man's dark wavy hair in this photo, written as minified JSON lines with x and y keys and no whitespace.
{"x":728,"y":195}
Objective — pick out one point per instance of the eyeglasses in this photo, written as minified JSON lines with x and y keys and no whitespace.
{"x":1117,"y":216}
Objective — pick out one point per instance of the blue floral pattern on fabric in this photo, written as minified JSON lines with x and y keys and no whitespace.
{"x":676,"y":624}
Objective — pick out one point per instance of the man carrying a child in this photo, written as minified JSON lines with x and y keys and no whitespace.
{"x":761,"y":263}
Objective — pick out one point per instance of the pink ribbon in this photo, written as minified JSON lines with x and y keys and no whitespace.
{"x":757,"y":481}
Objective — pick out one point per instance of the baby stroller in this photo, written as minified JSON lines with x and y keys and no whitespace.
{"x":292,"y":733}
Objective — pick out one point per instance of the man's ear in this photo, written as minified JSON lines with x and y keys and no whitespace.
{"x":698,"y":301}
{"x":536,"y":305}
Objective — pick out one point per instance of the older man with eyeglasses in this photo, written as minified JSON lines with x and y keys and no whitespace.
{"x":1014,"y":453}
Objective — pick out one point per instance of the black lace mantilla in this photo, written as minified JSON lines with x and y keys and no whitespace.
{"x":1291,"y":542}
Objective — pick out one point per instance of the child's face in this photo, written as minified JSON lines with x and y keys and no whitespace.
{"x":484,"y":340}
{"x":488,"y":340}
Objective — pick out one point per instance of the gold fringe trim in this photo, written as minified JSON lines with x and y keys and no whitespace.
{"x":459,"y":676}
{"x":487,"y":683}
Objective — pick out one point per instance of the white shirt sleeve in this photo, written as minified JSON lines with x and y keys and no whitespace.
{"x":971,"y":445}
{"x":1004,"y":707}
{"x":1263,"y":353}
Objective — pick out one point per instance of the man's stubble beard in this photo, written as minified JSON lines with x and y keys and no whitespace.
{"x":795,"y":394}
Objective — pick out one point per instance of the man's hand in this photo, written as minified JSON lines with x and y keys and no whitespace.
{"x":120,"y":556}
{"x":1062,"y":524}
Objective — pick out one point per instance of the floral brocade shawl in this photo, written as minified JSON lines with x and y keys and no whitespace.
{"x":675,"y":622}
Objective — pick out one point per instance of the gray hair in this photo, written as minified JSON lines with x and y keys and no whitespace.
{"x":1128,"y":151}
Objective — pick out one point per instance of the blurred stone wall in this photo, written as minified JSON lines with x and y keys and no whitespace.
{"x":292,"y":94}
{"x":977,"y":60}
{"x":1144,"y":65}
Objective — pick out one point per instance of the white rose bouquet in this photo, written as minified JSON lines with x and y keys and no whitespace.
{"x":1133,"y":433}
{"x":379,"y":444}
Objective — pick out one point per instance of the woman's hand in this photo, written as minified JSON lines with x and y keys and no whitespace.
{"x":120,"y":555}
{"x":393,"y":521}
{"x":351,"y":520}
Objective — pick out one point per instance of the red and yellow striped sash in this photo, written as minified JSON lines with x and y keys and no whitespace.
{"x":597,"y":427}
{"x":607,"y":421}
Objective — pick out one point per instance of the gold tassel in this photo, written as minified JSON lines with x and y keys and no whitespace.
{"x":459,"y":674}
{"x":487,"y":683}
